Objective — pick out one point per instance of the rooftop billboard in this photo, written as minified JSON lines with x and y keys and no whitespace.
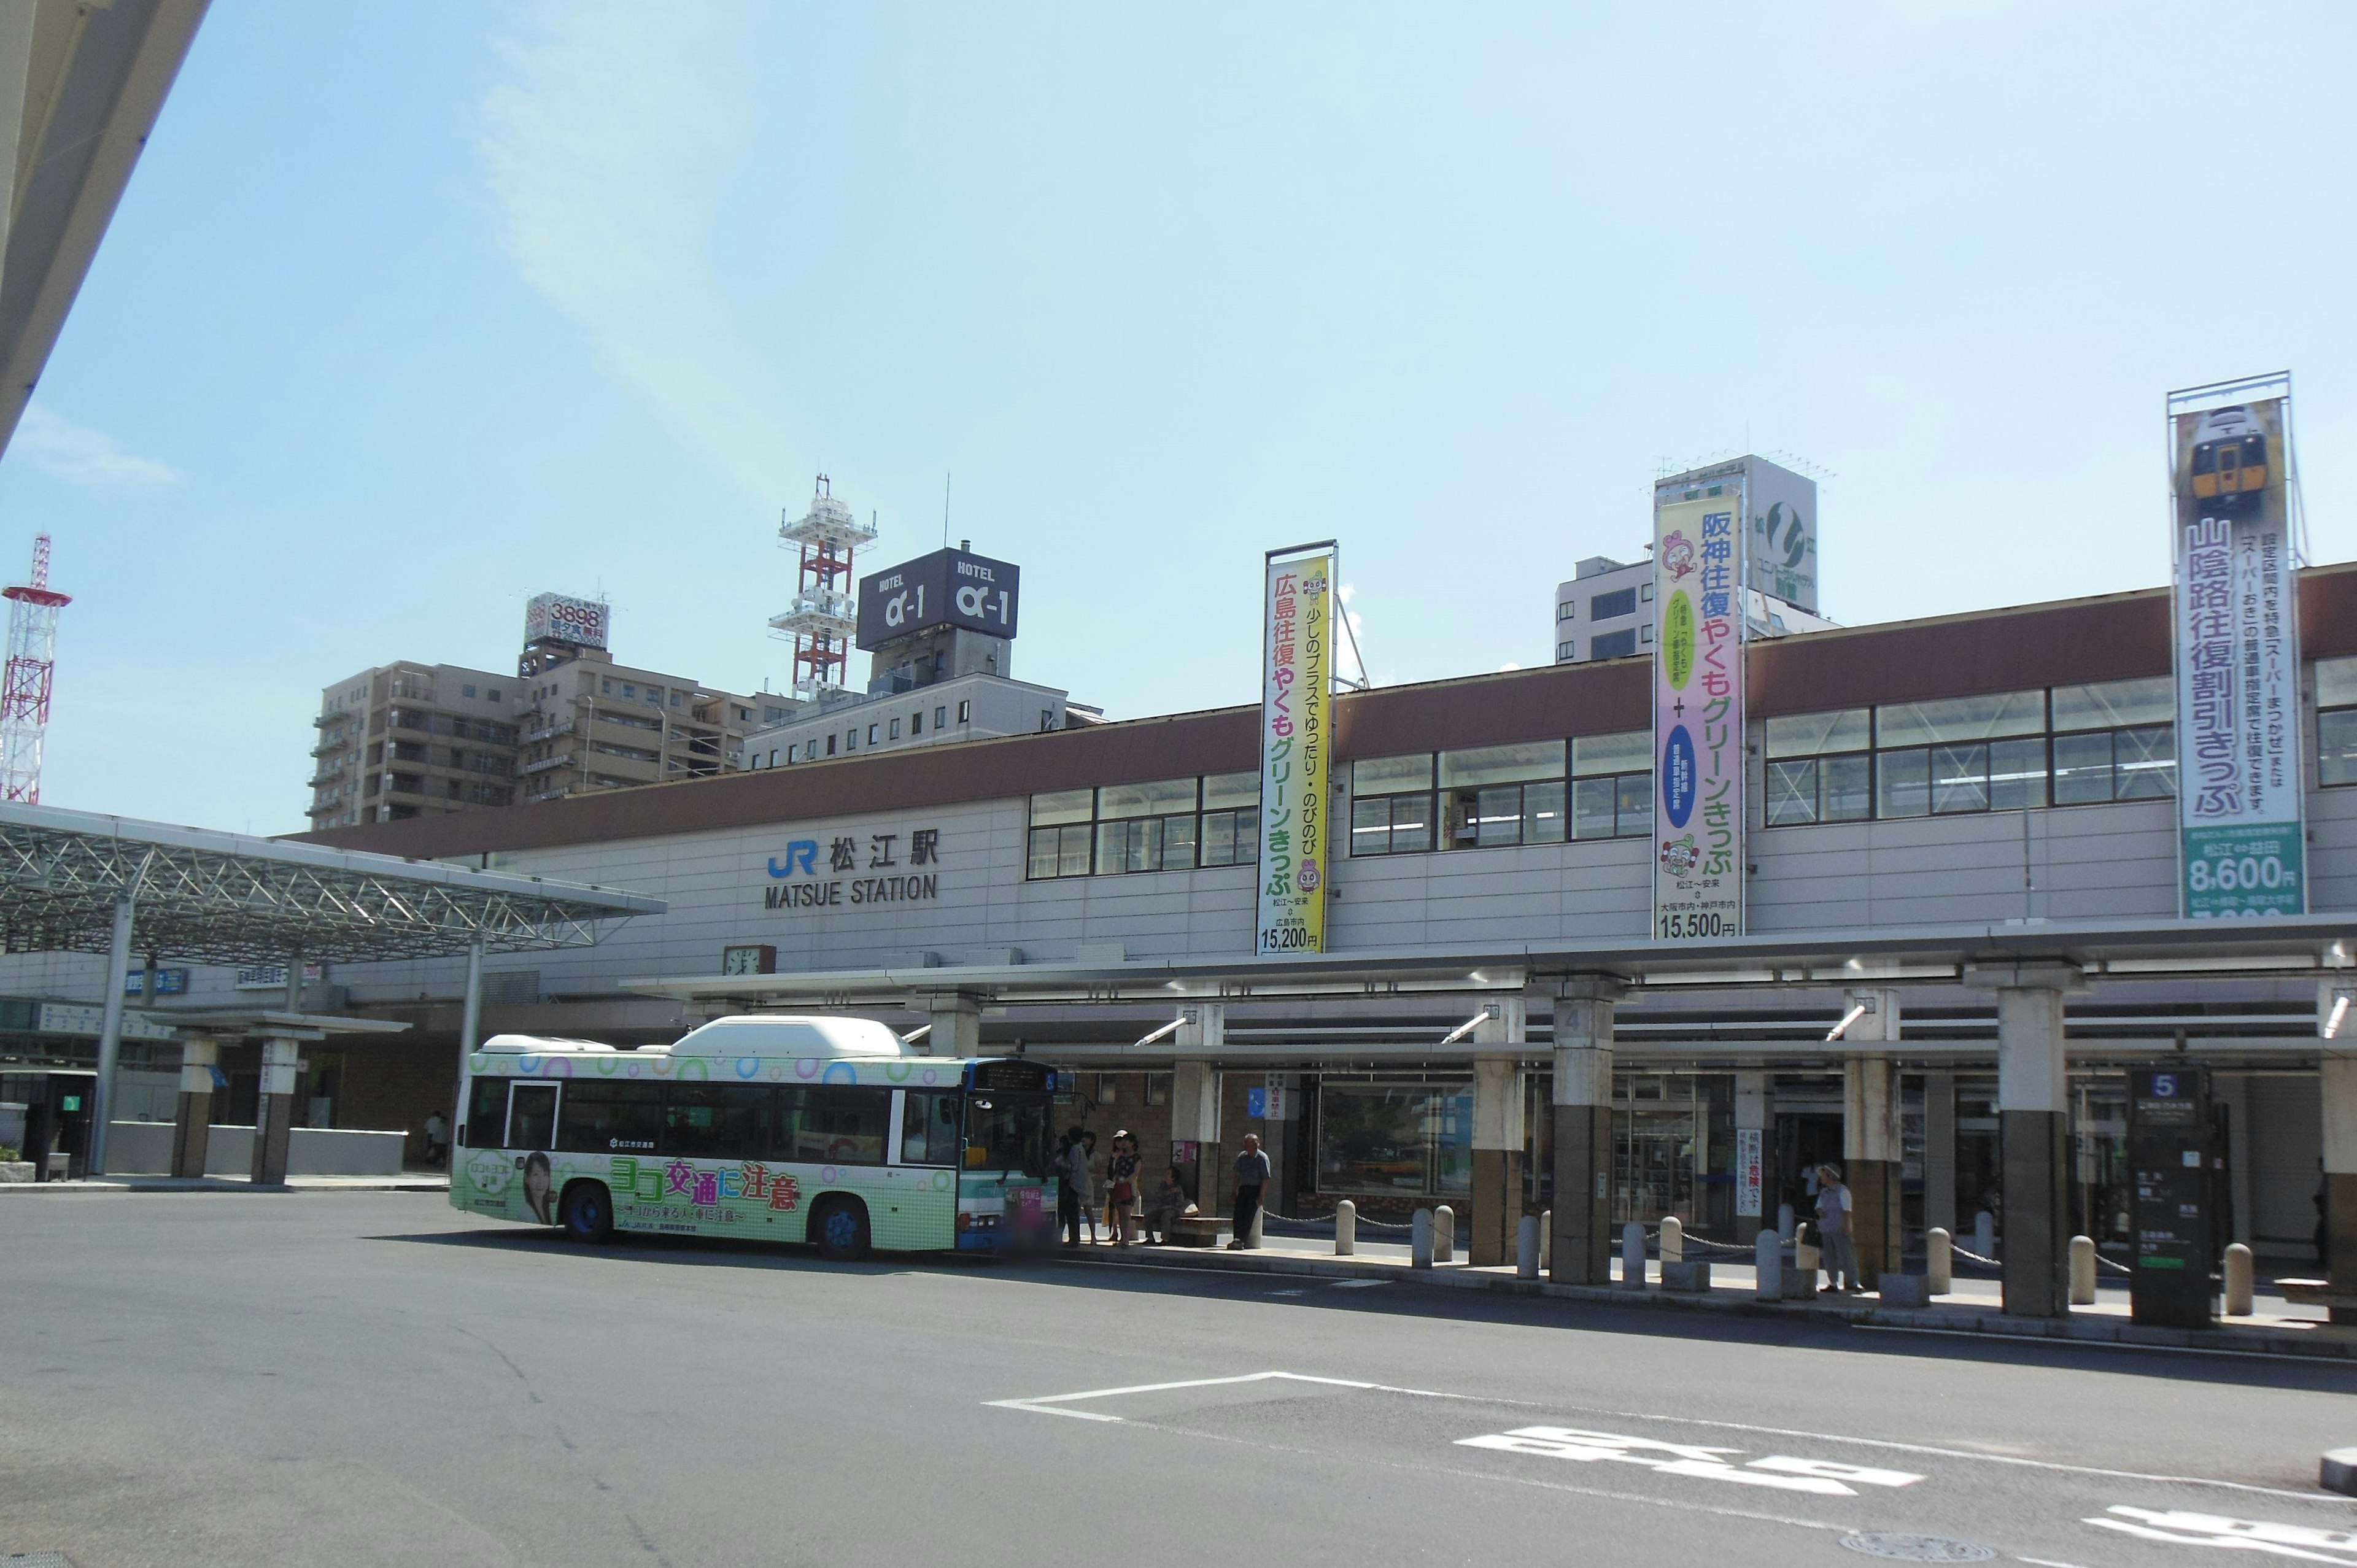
{"x":948,"y":587}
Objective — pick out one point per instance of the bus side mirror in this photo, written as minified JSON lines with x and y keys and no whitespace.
{"x":462,"y":1135}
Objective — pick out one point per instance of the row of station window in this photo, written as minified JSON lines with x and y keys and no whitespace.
{"x":2063,"y":746}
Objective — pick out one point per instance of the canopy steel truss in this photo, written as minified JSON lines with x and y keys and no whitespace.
{"x":226,"y":898}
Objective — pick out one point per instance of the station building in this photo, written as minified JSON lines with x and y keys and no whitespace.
{"x":1950,"y":815}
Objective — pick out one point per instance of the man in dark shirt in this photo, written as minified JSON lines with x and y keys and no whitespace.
{"x":1252,"y":1174}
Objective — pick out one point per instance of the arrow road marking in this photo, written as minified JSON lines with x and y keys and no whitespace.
{"x":1826,"y":1477}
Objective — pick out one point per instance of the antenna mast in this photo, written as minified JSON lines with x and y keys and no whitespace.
{"x":26,"y":683}
{"x":823,"y":616}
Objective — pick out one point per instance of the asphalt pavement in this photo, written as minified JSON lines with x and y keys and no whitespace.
{"x":370,"y":1378}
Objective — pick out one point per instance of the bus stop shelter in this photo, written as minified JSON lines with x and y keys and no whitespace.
{"x":1178,"y":1007}
{"x":80,"y":882}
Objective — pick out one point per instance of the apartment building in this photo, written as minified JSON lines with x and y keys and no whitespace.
{"x":588,"y":724}
{"x":411,"y":739}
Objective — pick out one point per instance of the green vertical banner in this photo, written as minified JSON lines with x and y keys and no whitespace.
{"x":2239,"y":795}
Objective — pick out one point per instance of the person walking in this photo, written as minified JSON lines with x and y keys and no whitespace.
{"x":437,"y":1138}
{"x":1121,"y":1187}
{"x":1835,"y":1238}
{"x":1252,"y":1175}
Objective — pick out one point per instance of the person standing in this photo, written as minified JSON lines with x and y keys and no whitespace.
{"x":1120,"y":1184}
{"x":1068,"y":1186}
{"x":1834,"y":1235}
{"x":437,"y":1138}
{"x":1252,"y":1175}
{"x":1084,"y":1180}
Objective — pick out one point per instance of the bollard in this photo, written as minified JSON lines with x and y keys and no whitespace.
{"x":1346,"y":1229}
{"x":1768,"y":1255}
{"x":1674,"y":1240}
{"x":1259,"y":1215}
{"x":1633,"y":1255}
{"x":1940,"y":1258}
{"x":1526,"y":1247}
{"x":1984,"y":1234}
{"x":1444,"y":1235}
{"x":1419,"y":1240}
{"x":1806,"y":1256}
{"x":2238,"y":1281}
{"x":2083,"y":1271}
{"x":1546,"y":1241}
{"x":1783,"y":1222}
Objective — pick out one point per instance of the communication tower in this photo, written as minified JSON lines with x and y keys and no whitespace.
{"x":24,"y":686}
{"x":820,"y":621}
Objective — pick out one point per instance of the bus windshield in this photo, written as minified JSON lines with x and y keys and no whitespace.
{"x":1007,"y":1130}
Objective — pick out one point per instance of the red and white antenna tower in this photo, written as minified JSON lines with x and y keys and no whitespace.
{"x":25,"y":687}
{"x":823,"y":616}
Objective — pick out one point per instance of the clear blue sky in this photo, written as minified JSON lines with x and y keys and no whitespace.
{"x":412,"y":311}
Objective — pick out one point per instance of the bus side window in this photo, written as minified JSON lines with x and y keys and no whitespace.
{"x":843,"y":1125}
{"x":929,"y":1127}
{"x":716,"y":1120}
{"x":486,"y":1115}
{"x":603,"y":1117}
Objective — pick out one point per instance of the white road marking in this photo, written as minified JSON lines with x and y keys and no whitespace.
{"x":1360,"y":1284}
{"x":2050,"y":1562}
{"x":1289,"y":1293}
{"x":2184,"y":1528}
{"x":1051,"y":1404}
{"x":1045,"y":1405}
{"x":2065,"y":1344}
{"x":1825,"y":1477}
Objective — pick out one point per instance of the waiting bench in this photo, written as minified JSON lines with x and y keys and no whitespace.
{"x":2318,"y":1293}
{"x":1196,"y":1229}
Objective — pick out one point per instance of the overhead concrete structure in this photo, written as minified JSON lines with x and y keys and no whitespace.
{"x":80,"y":86}
{"x":78,"y":882}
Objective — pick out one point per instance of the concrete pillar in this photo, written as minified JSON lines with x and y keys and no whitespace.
{"x":2033,"y":1113}
{"x":1499,"y":1137}
{"x":1940,"y":1151}
{"x":1195,"y":1103}
{"x":192,"y":1127}
{"x":1870,"y":1151}
{"x":109,"y":1034}
{"x":1582,"y":1242}
{"x":957,"y":1024}
{"x":2337,"y":1090}
{"x":275,"y":1110}
{"x":1751,"y":1091}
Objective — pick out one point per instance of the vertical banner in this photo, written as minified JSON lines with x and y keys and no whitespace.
{"x":2239,"y":811}
{"x":1698,"y":717}
{"x":1296,"y":686}
{"x":1749,"y":1172}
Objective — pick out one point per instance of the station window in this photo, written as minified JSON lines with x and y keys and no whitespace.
{"x":1391,"y":805}
{"x":940,"y":717}
{"x":871,"y":735}
{"x":1171,"y":824}
{"x":2073,"y":745}
{"x":1613,"y":785}
{"x":2336,"y":721}
{"x":965,"y":711}
{"x":916,"y":724}
{"x":896,"y":729}
{"x":1492,"y":796}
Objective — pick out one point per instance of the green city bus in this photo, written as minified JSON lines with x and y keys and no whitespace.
{"x":823,"y":1130}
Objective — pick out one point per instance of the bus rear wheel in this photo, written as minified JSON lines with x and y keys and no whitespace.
{"x":840,"y":1229}
{"x":587,"y":1212}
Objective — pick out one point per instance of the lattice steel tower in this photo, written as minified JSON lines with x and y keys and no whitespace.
{"x":823,"y":616}
{"x":24,"y":686}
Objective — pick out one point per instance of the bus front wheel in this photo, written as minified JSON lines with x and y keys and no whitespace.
{"x":840,"y":1229}
{"x":587,"y":1211}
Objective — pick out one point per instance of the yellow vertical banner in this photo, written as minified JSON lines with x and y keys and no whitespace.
{"x":1297,"y":699}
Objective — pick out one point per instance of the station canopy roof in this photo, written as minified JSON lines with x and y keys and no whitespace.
{"x":2100,"y":950}
{"x":229,"y":898}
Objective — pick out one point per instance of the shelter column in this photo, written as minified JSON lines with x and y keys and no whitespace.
{"x":1195,"y":1095}
{"x":1583,"y":1128}
{"x":2337,"y":1089}
{"x":273,"y":1116}
{"x":1940,"y":1151}
{"x":957,"y":1024}
{"x":1870,"y":1130}
{"x":192,"y":1128}
{"x":1499,"y":1135}
{"x":2033,"y":1111}
{"x":110,"y":1032}
{"x":1750,"y":1142}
